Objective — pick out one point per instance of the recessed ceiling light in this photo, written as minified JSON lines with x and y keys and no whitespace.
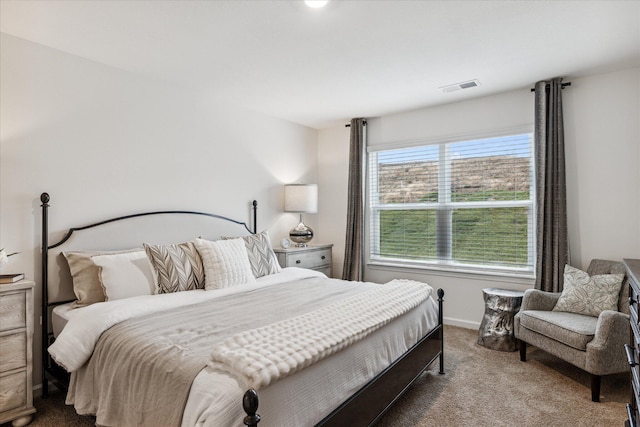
{"x":316,"y":3}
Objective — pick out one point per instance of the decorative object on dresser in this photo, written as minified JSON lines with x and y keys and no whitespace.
{"x":632,"y":349}
{"x":11,"y":278}
{"x":16,"y":335}
{"x":301,"y":198}
{"x":496,"y":328}
{"x":316,"y":257}
{"x":585,"y":325}
{"x":4,"y":256}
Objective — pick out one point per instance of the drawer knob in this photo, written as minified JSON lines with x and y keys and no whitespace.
{"x":323,"y":257}
{"x":630,"y":359}
{"x":298,"y":261}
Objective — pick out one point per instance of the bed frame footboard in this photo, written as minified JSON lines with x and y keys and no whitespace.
{"x":367,"y":405}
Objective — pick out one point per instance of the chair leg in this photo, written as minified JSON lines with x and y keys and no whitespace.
{"x":595,"y":388}
{"x":523,"y":350}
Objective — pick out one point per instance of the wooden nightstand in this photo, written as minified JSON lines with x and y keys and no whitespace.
{"x":16,"y":336}
{"x":314,"y":257}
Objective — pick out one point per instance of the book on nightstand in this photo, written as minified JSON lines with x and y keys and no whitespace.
{"x":11,"y":278}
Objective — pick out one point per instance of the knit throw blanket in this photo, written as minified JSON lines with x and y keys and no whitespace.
{"x":261,"y":356}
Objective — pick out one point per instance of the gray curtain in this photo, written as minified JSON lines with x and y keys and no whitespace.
{"x":552,"y":248}
{"x":353,"y":255}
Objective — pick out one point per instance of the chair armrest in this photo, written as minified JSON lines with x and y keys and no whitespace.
{"x":612,"y":329}
{"x":605,"y":353}
{"x":535,"y":299}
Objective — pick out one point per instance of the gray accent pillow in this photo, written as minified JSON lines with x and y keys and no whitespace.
{"x":589,"y":295}
{"x":261,"y":256}
{"x":178,"y":267}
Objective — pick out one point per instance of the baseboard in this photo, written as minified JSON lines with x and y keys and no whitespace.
{"x":461,"y":323}
{"x":37,"y":390}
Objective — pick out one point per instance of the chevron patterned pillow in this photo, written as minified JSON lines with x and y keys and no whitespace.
{"x":261,"y":256}
{"x":178,"y":267}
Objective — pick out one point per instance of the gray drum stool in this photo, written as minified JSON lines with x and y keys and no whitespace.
{"x":496,"y":328}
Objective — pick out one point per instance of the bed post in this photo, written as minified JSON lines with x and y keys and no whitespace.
{"x":250,"y":406}
{"x":44,"y":198}
{"x":441,"y":323}
{"x":254,"y":204}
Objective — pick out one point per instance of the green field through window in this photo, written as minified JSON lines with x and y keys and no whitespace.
{"x":479,"y":236}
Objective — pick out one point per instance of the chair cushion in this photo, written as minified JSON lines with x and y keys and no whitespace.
{"x":574,"y":330}
{"x":589,"y":295}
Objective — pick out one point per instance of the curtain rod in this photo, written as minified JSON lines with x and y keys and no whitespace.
{"x":348,"y":125}
{"x":562,"y":85}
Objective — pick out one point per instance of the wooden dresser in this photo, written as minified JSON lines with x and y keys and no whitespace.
{"x":633,"y":350}
{"x":16,"y":335}
{"x":317,"y":257}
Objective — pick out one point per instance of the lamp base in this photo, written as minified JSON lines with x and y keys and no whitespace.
{"x":301,"y":235}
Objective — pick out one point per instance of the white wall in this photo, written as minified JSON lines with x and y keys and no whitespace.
{"x":333,"y":159}
{"x":104,"y":142}
{"x":603,"y":177}
{"x":602,"y":131}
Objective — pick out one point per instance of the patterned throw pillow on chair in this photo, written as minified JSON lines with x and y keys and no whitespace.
{"x":589,"y":295}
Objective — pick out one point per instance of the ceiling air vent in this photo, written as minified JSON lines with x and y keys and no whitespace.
{"x":460,"y":86}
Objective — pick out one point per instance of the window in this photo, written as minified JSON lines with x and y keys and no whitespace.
{"x":463,"y":204}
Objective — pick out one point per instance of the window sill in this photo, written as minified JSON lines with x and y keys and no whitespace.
{"x":524,"y":279}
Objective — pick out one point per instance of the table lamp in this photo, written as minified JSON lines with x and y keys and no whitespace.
{"x":301,"y":198}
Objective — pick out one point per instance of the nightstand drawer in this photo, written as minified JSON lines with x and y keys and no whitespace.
{"x":16,"y":354}
{"x":14,"y":351}
{"x":311,"y":257}
{"x":14,"y":393}
{"x":12,"y":311}
{"x":313,"y":260}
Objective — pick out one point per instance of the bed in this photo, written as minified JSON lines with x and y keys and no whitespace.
{"x":342,"y":381}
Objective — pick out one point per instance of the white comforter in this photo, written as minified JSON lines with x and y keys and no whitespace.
{"x":258,"y":357}
{"x":215,"y":397}
{"x":76,"y":342}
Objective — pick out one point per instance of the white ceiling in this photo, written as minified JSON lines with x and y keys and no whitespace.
{"x":321,"y":67}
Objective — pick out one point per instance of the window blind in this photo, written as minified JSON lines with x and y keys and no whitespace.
{"x":464,"y":203}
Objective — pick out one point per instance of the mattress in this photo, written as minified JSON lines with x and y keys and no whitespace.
{"x":61,"y":315}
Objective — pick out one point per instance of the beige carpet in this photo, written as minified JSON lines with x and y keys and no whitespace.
{"x":481,"y":387}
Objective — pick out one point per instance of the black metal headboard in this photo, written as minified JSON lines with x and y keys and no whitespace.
{"x":123,"y":232}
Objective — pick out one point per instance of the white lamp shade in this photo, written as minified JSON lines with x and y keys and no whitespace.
{"x":301,"y":198}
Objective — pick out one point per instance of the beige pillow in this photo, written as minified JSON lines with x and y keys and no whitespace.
{"x":86,"y":282}
{"x":588,"y":295}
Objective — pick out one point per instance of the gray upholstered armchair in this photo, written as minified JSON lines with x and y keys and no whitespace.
{"x":594,"y":344}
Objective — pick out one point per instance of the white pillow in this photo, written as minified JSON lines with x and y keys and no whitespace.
{"x":262,"y":259}
{"x":225,"y":263}
{"x":125,"y":275}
